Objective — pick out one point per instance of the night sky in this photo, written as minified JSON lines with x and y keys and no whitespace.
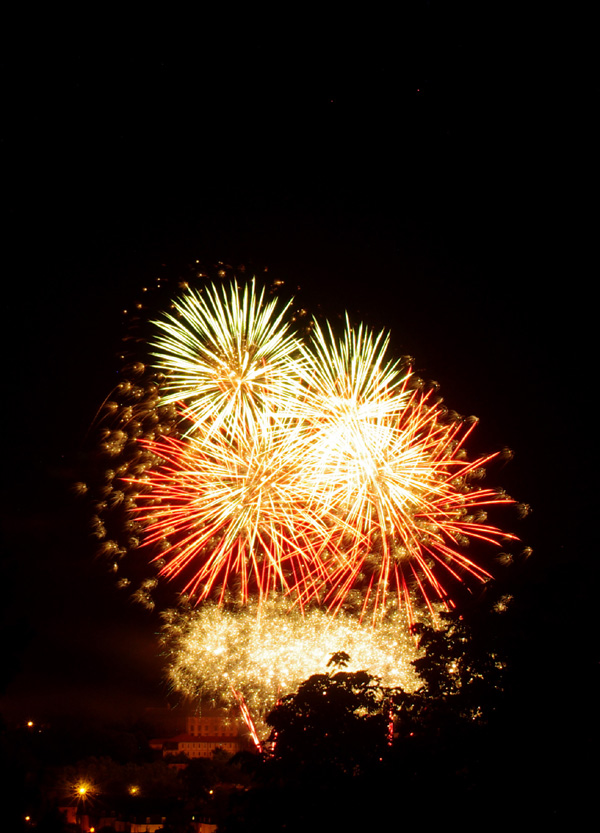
{"x":409,"y":174}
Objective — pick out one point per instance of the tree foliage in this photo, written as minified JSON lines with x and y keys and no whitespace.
{"x":462,"y":680}
{"x":344,"y":745}
{"x":335,"y":722}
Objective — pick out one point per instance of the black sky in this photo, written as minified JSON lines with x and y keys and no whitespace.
{"x":400,"y":171}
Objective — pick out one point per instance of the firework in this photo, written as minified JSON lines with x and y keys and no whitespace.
{"x":130,"y":415}
{"x":350,"y":378}
{"x":318,"y":470}
{"x":391,"y":469}
{"x":303,"y":492}
{"x":407,"y":501}
{"x":266,"y":650}
{"x":229,"y":356}
{"x":235,"y":514}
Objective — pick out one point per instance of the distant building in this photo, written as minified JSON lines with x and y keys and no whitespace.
{"x":148,"y":825}
{"x":213,"y":729}
{"x":74,"y":816}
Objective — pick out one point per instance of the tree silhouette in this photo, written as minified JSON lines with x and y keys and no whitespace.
{"x":336,"y":763}
{"x":325,"y":737}
{"x":335,"y":724}
{"x":462,"y":681}
{"x":339,"y":659}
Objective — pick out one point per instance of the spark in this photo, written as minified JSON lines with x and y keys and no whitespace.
{"x":266,"y":650}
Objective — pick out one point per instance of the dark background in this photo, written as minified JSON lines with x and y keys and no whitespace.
{"x":417,"y":173}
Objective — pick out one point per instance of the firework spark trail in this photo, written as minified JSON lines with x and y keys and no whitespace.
{"x":247,"y":718}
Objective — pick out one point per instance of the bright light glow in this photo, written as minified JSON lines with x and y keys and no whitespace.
{"x":267,"y":650}
{"x":83,"y":790}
